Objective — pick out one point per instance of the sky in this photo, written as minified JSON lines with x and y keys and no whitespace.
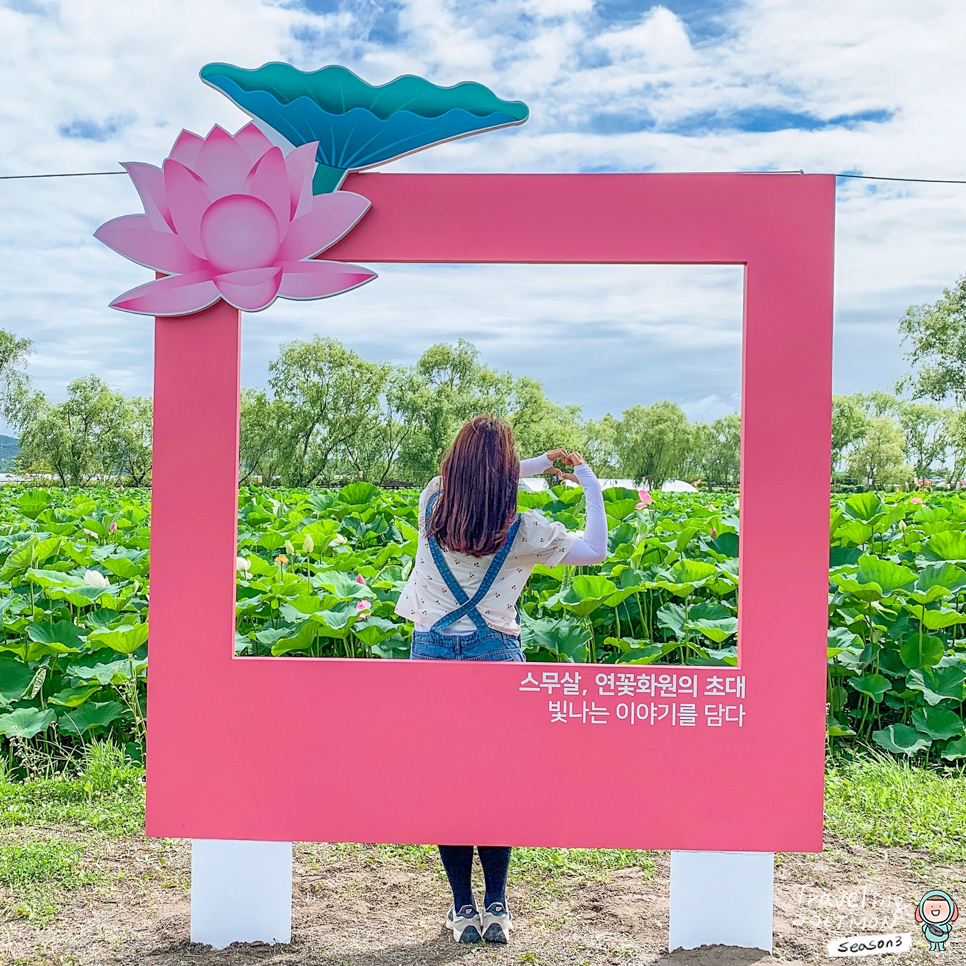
{"x":612,"y":85}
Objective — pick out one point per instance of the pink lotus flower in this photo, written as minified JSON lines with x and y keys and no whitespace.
{"x":645,"y":498}
{"x":363,"y":607}
{"x":231,"y":217}
{"x":360,"y":579}
{"x":916,"y":499}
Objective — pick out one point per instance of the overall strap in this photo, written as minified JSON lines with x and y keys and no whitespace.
{"x":468,"y":604}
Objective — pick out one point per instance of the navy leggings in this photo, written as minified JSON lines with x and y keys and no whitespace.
{"x":483,"y":644}
{"x":458,"y":862}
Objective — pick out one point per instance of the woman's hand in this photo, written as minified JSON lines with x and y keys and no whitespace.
{"x":560,"y":454}
{"x":574,"y":459}
{"x":563,"y":476}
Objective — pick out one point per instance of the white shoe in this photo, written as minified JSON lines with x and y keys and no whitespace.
{"x":466,"y":924}
{"x":496,"y":922}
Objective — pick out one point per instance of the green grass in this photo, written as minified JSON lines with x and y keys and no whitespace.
{"x":882,"y":802}
{"x":537,"y":865}
{"x":106,"y":795}
{"x":875,"y":801}
{"x":37,"y":874}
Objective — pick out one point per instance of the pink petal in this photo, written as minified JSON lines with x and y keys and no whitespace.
{"x":222,"y":164}
{"x":149,"y":182}
{"x":186,"y":148}
{"x":250,"y":290}
{"x":320,"y":279}
{"x":300,"y":165}
{"x":174,"y":295}
{"x":251,"y":140}
{"x":188,"y":200}
{"x":331,"y":217}
{"x":268,"y":182}
{"x":134,"y":237}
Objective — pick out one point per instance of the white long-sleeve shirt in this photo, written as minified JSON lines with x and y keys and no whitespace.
{"x":590,"y":547}
{"x":426,"y":598}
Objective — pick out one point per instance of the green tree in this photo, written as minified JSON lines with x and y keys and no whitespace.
{"x":373,"y":452}
{"x":130,"y":452}
{"x":15,"y":392}
{"x":850,"y":422}
{"x":714,"y":451}
{"x":652,"y":441}
{"x":262,"y":438}
{"x":539,"y":424}
{"x":448,"y":385}
{"x":956,"y":439}
{"x":323,"y":395}
{"x":925,"y":427}
{"x":936,"y":334}
{"x":601,"y":445}
{"x":78,"y":438}
{"x":879,"y":458}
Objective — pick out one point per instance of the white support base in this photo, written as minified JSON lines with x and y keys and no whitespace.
{"x":722,"y":898}
{"x":240,"y":892}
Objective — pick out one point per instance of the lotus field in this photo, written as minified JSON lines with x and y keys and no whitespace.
{"x":319,"y":572}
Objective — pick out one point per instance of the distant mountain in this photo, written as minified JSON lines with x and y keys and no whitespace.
{"x":9,"y":448}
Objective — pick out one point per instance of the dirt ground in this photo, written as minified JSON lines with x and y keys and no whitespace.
{"x":365,"y":907}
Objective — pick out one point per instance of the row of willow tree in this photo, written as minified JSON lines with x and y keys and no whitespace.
{"x":328,"y":415}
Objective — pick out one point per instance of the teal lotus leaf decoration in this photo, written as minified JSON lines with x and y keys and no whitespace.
{"x":360,"y":125}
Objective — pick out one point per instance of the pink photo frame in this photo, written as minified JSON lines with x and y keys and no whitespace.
{"x":302,"y":749}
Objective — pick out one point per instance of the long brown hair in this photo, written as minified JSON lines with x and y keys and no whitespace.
{"x":478,"y":488}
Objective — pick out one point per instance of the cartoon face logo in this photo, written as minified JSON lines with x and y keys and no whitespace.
{"x":937,"y":912}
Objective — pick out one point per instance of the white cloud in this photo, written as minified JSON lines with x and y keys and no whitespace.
{"x":660,"y":39}
{"x":602,"y":97}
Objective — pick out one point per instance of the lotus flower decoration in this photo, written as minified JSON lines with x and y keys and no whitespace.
{"x":231,"y":217}
{"x":359,"y":125}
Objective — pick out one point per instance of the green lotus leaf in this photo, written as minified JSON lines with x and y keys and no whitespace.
{"x":955,"y":750}
{"x":77,"y":721}
{"x":565,"y":638}
{"x":15,"y":678}
{"x":74,"y":697}
{"x":125,"y":639}
{"x":65,"y":633}
{"x":374,"y":630}
{"x":938,"y":684}
{"x":863,"y":506}
{"x":900,"y":739}
{"x":301,"y":640}
{"x":835,"y":728}
{"x":26,"y":722}
{"x":110,"y":672}
{"x":886,"y":574}
{"x":937,"y":723}
{"x":716,"y":630}
{"x":874,"y":685}
{"x":34,"y":502}
{"x":359,"y":125}
{"x":947,"y":545}
{"x":919,"y":653}
{"x":935,"y":620}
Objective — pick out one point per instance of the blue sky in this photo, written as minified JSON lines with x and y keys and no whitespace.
{"x":613,"y":85}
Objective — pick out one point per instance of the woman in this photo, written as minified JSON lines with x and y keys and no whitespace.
{"x":474,"y":556}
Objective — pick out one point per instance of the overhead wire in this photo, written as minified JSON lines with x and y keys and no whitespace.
{"x":863,"y":177}
{"x":61,"y":174}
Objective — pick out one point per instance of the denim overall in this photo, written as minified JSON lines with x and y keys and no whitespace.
{"x":483,"y":644}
